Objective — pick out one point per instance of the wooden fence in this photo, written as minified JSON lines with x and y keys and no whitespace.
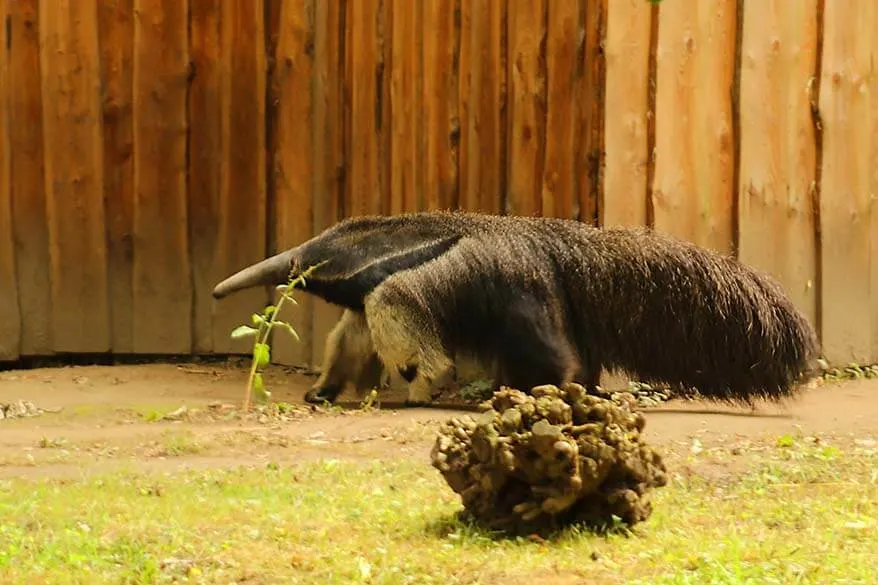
{"x":151,"y":147}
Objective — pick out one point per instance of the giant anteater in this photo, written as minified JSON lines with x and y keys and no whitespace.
{"x":541,"y":301}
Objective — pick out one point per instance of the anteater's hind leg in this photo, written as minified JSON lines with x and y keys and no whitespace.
{"x":532,"y":347}
{"x":349,"y":357}
{"x":406,"y":339}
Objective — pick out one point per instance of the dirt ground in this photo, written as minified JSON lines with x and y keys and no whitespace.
{"x":101,"y":417}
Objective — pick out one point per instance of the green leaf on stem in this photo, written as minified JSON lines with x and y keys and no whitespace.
{"x":261,"y":354}
{"x":286,"y":326}
{"x":243,"y":331}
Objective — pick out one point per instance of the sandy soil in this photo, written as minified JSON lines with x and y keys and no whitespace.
{"x":103,"y":417}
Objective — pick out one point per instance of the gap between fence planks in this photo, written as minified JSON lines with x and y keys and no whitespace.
{"x":116,"y":26}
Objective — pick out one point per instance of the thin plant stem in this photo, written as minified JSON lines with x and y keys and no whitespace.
{"x":265,"y":327}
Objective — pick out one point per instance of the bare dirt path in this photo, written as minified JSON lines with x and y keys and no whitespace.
{"x":104,"y":415}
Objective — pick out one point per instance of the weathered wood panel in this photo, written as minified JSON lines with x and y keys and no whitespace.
{"x":693,"y":191}
{"x":205,"y":161}
{"x":560,"y":169}
{"x":10,"y":317}
{"x":590,"y":120}
{"x":406,"y":76}
{"x":526,"y":31}
{"x":365,"y":78}
{"x":132,"y":183}
{"x":29,"y":225}
{"x":294,"y":173}
{"x":116,"y":26}
{"x":482,"y":97}
{"x":329,"y":52}
{"x":778,"y":147}
{"x":74,"y":169}
{"x":441,"y":101}
{"x":848,"y":110}
{"x":161,"y":280}
{"x":626,"y":118}
{"x":241,"y":236}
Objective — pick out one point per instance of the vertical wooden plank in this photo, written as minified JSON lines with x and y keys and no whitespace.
{"x":29,"y":222}
{"x":848,"y":97}
{"x":205,"y":161}
{"x":590,"y":120}
{"x":407,"y":169}
{"x":71,"y":96}
{"x":526,"y":29}
{"x":162,"y":268}
{"x":241,"y":238}
{"x":441,"y":33}
{"x":116,"y":38}
{"x":10,"y":318}
{"x":626,"y":114}
{"x":559,"y":174}
{"x":329,"y":71}
{"x":295,"y":157}
{"x":482,"y":76}
{"x":778,"y":154}
{"x":365,"y":73}
{"x":694,"y":160}
{"x":873,"y":165}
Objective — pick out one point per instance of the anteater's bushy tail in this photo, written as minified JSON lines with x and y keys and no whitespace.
{"x":666,"y":311}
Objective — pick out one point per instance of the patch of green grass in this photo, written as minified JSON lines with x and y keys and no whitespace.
{"x":806,"y":514}
{"x":176,"y":444}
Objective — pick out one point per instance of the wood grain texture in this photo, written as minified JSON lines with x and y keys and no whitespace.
{"x":778,"y":149}
{"x":694,"y":160}
{"x":29,"y":223}
{"x":590,"y":118}
{"x":10,"y":317}
{"x":116,"y":26}
{"x":526,"y":30}
{"x":241,"y":236}
{"x":441,"y":104}
{"x":849,"y":110}
{"x":74,"y":175}
{"x":162,"y":278}
{"x":482,"y":81}
{"x":559,"y":197}
{"x":295,"y":174}
{"x":205,"y":161}
{"x":365,"y":71}
{"x":626,"y":115}
{"x":406,"y":76}
{"x":329,"y":52}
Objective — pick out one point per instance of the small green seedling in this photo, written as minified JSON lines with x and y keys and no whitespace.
{"x":263,"y":323}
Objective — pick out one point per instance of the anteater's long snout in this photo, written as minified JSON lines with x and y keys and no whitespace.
{"x":271,"y":271}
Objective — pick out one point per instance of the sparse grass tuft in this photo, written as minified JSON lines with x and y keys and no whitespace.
{"x":805,"y":514}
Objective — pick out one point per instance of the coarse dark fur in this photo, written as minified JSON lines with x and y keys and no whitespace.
{"x":541,"y":301}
